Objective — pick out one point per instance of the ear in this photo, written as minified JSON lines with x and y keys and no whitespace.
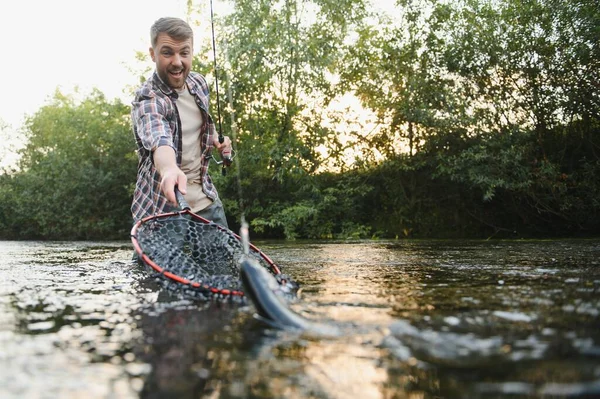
{"x":151,"y":50}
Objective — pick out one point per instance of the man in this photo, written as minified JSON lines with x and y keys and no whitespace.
{"x":174,"y":132}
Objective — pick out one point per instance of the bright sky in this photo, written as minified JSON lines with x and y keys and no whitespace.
{"x":66,"y":43}
{"x":50,"y":44}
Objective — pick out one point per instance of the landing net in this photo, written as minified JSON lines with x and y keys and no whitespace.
{"x":194,"y":256}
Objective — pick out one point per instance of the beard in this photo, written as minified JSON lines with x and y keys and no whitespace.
{"x":174,"y":78}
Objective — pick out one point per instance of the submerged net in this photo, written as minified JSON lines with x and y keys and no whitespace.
{"x":195,"y":257}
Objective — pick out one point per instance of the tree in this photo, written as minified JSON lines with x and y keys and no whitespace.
{"x":281,"y":58}
{"x":75,"y":173}
{"x":529,"y":72}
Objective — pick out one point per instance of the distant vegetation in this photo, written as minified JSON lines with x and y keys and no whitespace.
{"x":486,"y":124}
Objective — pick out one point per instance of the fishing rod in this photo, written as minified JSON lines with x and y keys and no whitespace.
{"x":244,"y":231}
{"x":227,"y":159}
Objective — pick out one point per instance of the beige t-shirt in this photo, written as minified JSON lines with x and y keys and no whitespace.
{"x":191,"y":121}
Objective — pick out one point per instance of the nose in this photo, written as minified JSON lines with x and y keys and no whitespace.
{"x":176,"y":60}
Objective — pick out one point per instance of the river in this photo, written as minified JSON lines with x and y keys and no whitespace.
{"x":418,"y":319}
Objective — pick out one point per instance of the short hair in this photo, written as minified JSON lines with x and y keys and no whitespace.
{"x":174,"y":27}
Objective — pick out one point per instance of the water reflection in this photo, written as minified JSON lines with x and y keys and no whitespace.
{"x":183,"y":344}
{"x":66,"y":320}
{"x":501,"y":312}
{"x":418,"y":319}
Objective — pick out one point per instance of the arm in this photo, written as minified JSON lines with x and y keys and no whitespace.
{"x":154,"y":134}
{"x":171,"y":175}
{"x":225,"y":147}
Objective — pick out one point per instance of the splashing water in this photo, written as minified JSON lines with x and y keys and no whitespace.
{"x":417,"y":319}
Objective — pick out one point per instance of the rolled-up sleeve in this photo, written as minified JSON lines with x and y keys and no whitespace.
{"x":152,"y":123}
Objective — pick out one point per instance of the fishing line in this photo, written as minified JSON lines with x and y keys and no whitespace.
{"x":244,"y":228}
{"x":212,"y":26}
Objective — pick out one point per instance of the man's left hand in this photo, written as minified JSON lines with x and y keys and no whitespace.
{"x":224,"y":148}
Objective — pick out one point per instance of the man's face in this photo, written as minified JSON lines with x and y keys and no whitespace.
{"x":173,"y":59}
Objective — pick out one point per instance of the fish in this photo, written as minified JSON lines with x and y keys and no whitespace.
{"x":266,"y":295}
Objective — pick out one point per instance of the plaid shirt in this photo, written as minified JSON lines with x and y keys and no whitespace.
{"x":156,"y":123}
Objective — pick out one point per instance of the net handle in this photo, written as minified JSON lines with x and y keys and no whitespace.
{"x":181,"y":200}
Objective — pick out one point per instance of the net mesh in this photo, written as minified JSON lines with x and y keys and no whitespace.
{"x":197,"y":258}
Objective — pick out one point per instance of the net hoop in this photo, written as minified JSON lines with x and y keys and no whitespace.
{"x":196,"y":285}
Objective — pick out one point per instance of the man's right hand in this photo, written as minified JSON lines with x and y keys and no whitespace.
{"x":171,"y":175}
{"x":170,"y":178}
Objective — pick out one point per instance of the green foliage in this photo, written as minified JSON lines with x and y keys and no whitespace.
{"x":527,"y":71}
{"x":330,"y":209}
{"x":499,"y":161}
{"x":280,"y":57}
{"x":526,"y":64}
{"x":487,"y":125}
{"x":75,"y":174}
{"x":487,"y":118}
{"x":395,"y":68}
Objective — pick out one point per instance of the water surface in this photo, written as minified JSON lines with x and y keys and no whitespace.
{"x":418,"y":319}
